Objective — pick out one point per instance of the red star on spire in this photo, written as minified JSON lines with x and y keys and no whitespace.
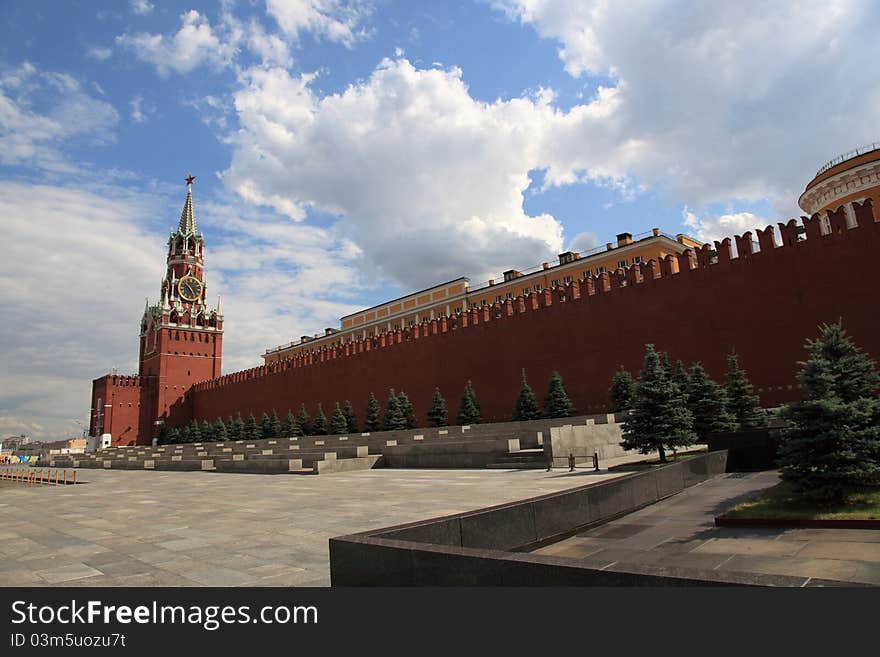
{"x":189,"y":179}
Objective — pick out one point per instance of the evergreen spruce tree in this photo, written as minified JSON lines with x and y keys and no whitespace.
{"x":833,"y":443}
{"x":351,"y":425}
{"x":230,"y":428}
{"x":437,"y":414}
{"x":252,"y":429}
{"x":742,"y":404}
{"x":526,"y":405}
{"x":207,"y":432}
{"x":274,"y":425}
{"x":337,"y":421}
{"x":557,"y":403}
{"x":303,"y":422}
{"x":238,"y":432}
{"x":195,"y":432}
{"x":707,"y":404}
{"x":680,"y":376}
{"x":265,"y":426}
{"x":392,"y":420}
{"x":173,"y":436}
{"x":468,"y":408}
{"x":289,"y":428}
{"x":664,"y":363}
{"x":220,"y":434}
{"x":406,"y":410}
{"x":183,"y":436}
{"x":371,"y":416}
{"x":621,"y":391}
{"x":659,"y":418}
{"x":162,"y":435}
{"x":319,"y":426}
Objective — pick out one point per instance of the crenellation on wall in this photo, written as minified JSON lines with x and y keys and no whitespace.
{"x":766,"y":239}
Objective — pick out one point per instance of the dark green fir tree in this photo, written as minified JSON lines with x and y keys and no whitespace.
{"x":526,"y":407}
{"x":207,"y":432}
{"x":319,"y":426}
{"x":275,"y":424}
{"x":393,"y":419}
{"x":680,"y":377}
{"x":371,"y":415}
{"x":659,"y":419}
{"x":557,"y":403}
{"x":303,"y":422}
{"x":288,"y":430}
{"x":337,"y":420}
{"x":266,"y":426}
{"x":173,"y":436}
{"x":407,"y":411}
{"x":620,"y":394}
{"x":707,"y":403}
{"x":252,"y":430}
{"x":162,"y":435}
{"x":742,"y":404}
{"x":195,"y":432}
{"x":351,"y":425}
{"x":437,"y":414}
{"x":468,"y":407}
{"x":220,"y":433}
{"x":832,"y":446}
{"x":237,"y":432}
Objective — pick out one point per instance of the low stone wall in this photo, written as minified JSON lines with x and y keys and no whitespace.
{"x":485,"y":547}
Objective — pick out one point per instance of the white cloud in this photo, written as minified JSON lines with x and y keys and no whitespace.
{"x":335,"y":20}
{"x":98,"y":53}
{"x":279,"y":279}
{"x":39,"y":111}
{"x":715,"y":101}
{"x":137,"y":112}
{"x":141,"y":7}
{"x":76,"y":270}
{"x":194,"y":45}
{"x":272,"y":49}
{"x":583,"y":242}
{"x":427,"y":181}
{"x":710,"y":228}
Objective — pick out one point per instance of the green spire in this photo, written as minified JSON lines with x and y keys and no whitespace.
{"x":187,"y":226}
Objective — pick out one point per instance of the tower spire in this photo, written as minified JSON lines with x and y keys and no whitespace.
{"x":187,"y":224}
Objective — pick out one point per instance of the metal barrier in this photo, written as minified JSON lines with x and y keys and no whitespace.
{"x":41,"y":477}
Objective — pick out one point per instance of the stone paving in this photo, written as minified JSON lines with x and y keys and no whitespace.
{"x":131,"y":528}
{"x":680,"y":531}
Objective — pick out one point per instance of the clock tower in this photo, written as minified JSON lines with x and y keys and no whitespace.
{"x":181,"y":337}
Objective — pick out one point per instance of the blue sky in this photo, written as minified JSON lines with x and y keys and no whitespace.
{"x":347,"y":152}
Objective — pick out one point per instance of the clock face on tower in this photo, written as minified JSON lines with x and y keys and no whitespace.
{"x":190,"y":288}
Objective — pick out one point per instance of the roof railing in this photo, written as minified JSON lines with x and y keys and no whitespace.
{"x":873,"y":146}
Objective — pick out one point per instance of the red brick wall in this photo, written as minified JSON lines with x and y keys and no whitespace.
{"x":763,"y":305}
{"x":119,"y":398}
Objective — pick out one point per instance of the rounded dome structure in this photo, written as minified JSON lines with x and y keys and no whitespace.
{"x":853,"y":176}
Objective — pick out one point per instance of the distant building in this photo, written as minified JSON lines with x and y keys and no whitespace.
{"x":456,"y":296}
{"x":853,"y":176}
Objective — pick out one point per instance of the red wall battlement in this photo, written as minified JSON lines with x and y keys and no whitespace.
{"x":764,"y":303}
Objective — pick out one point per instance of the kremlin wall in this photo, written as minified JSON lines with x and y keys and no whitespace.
{"x":761,"y":295}
{"x":764,"y":304}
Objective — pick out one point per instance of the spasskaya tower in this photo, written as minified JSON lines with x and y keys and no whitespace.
{"x":181,"y":341}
